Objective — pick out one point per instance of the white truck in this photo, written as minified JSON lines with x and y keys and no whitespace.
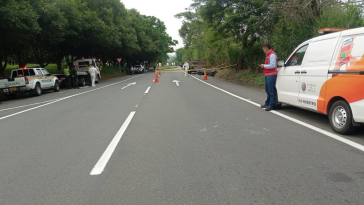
{"x":81,"y":67}
{"x":32,"y":80}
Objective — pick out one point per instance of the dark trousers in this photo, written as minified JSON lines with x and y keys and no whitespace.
{"x":88,"y":78}
{"x":270,"y":89}
{"x":75,"y":82}
{"x":68,"y":82}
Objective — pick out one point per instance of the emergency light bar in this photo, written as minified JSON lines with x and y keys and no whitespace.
{"x":330,"y":30}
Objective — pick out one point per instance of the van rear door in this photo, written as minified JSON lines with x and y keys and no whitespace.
{"x":314,"y":72}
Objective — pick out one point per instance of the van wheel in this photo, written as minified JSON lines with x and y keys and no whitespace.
{"x":56,"y":86}
{"x":37,"y":91}
{"x":97,"y":79}
{"x":341,"y":118}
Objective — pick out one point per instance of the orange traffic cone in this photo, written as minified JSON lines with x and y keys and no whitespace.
{"x":156,"y":78}
{"x":205,"y":75}
{"x":160,"y":72}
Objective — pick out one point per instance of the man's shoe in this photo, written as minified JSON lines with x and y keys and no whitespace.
{"x":264,"y":106}
{"x":269,"y":109}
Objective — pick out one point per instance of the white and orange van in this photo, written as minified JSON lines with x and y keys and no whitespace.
{"x":326,"y":75}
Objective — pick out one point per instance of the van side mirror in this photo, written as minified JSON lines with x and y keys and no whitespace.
{"x":281,"y":63}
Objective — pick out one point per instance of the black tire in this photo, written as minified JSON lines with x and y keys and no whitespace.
{"x":341,"y":118}
{"x":37,"y":91}
{"x":56,"y":86}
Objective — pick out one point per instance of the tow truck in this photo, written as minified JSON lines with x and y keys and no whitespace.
{"x":32,"y":80}
{"x":81,"y":67}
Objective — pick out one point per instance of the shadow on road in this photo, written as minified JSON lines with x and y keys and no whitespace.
{"x":316,"y":119}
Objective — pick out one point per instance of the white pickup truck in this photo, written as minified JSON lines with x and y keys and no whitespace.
{"x":32,"y":80}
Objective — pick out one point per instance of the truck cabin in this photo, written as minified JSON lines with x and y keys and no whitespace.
{"x":82,"y":64}
{"x":23,"y":72}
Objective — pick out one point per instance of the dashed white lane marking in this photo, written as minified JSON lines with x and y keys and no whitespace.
{"x":104,"y":159}
{"x":329,"y":134}
{"x":65,"y":91}
{"x":147,"y":91}
{"x":61,"y":99}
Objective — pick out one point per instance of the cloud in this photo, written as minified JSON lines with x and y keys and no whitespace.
{"x":165,"y":11}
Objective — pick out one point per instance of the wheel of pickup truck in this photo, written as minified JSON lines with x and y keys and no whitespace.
{"x":56,"y":86}
{"x":37,"y":91}
{"x":341,"y":118}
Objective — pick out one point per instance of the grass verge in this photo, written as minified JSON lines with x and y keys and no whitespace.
{"x":242,"y":77}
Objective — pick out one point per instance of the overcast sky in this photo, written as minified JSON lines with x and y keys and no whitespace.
{"x":164,"y":10}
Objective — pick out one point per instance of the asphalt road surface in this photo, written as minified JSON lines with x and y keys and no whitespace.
{"x":132,"y":141}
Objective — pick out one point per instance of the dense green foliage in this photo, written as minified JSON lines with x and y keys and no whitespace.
{"x":55,"y":31}
{"x":233,"y":31}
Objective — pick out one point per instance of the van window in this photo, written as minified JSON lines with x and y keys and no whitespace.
{"x":321,"y":52}
{"x":297,"y":58}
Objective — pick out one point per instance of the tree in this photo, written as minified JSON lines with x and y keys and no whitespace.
{"x":18,"y":24}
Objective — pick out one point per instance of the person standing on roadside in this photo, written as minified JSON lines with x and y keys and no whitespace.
{"x":186,"y":66}
{"x":270,"y":73}
{"x":154,"y":67}
{"x":74,"y":77}
{"x":67,"y":74}
{"x":92,"y":72}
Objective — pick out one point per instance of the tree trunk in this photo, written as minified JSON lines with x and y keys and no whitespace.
{"x":239,"y":67}
{"x":58,"y":59}
{"x":3,"y":66}
{"x":21,"y":59}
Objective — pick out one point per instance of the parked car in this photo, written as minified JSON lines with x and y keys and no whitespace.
{"x":31,"y":80}
{"x":138,"y":69}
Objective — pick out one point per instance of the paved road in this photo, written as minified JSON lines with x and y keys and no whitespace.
{"x":187,"y":144}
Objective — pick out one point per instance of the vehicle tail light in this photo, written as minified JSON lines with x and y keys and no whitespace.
{"x":26,"y":81}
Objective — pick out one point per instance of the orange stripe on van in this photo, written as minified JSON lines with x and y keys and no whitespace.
{"x":350,"y":87}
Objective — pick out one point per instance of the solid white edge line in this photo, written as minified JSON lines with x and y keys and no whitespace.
{"x":104,"y":159}
{"x":324,"y":132}
{"x":64,"y":98}
{"x":12,"y":108}
{"x":147,"y":91}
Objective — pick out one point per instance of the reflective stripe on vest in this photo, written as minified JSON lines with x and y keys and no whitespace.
{"x":270,"y":72}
